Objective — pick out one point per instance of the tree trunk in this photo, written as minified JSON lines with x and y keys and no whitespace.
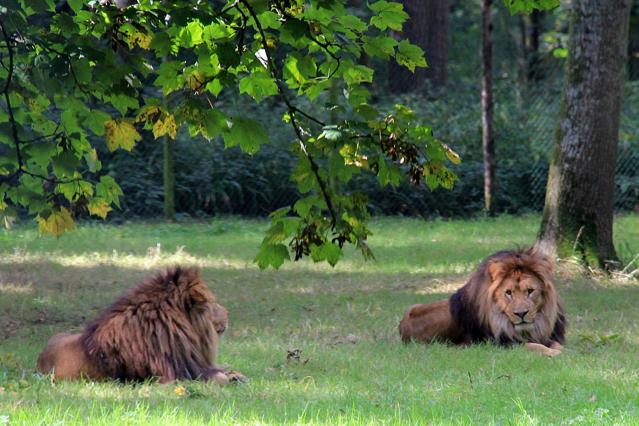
{"x":578,"y":212}
{"x":169,"y":179}
{"x":427,"y":27}
{"x":633,"y":43}
{"x":487,"y":106}
{"x":531,"y":45}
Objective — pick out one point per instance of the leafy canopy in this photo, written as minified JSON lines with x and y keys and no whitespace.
{"x":75,"y":75}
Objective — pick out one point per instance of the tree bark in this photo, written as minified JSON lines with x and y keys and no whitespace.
{"x":578,"y":211}
{"x":427,"y":27}
{"x":487,"y":106}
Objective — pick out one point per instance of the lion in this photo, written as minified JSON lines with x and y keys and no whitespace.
{"x":509,"y":299}
{"x":166,"y":327}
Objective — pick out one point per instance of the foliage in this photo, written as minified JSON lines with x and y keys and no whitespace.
{"x":528,"y":6}
{"x":80,"y":72}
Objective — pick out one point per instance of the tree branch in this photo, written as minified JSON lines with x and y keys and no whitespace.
{"x":292,"y":110}
{"x":14,"y":127}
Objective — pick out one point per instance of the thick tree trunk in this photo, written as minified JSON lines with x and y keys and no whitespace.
{"x":169,"y":179}
{"x":487,"y":106}
{"x":427,"y":27}
{"x":578,"y":212}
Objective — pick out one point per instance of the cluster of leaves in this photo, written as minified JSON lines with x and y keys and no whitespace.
{"x":89,"y":72}
{"x":527,"y":6}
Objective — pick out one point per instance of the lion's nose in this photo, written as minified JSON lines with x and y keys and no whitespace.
{"x":521,"y":314}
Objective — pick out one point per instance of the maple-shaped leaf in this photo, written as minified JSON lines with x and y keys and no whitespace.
{"x":120,"y":134}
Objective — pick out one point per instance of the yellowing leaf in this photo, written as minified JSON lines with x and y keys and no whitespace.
{"x":452,"y":155}
{"x":148,"y":113}
{"x":165,"y":126}
{"x":120,"y":134}
{"x":99,"y":207}
{"x":57,"y":223}
{"x":180,"y":390}
{"x":141,"y":39}
{"x":195,"y":80}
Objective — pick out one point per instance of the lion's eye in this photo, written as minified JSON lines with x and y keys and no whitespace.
{"x":530,"y":291}
{"x":509,"y":293}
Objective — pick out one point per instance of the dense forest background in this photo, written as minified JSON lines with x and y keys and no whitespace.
{"x":529,"y":56}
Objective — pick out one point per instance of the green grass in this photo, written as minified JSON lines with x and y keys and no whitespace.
{"x":353,"y":368}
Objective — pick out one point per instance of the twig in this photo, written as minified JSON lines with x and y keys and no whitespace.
{"x":623,"y":271}
{"x":574,"y":247}
{"x":12,"y":120}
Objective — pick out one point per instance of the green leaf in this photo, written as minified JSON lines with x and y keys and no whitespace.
{"x":82,"y":70}
{"x":161,"y":43}
{"x":65,"y":164}
{"x":191,"y":35}
{"x":271,"y":255}
{"x":388,"y":173}
{"x":353,"y":23}
{"x":410,"y":56}
{"x":41,"y":153}
{"x":214,"y":86}
{"x":379,"y":46}
{"x":388,"y":15}
{"x":76,"y":5}
{"x":74,"y":190}
{"x":560,"y":52}
{"x":96,"y":120}
{"x":109,"y":190}
{"x":528,"y":6}
{"x":269,"y":19}
{"x":169,"y":78}
{"x":258,"y":85}
{"x":330,"y":133}
{"x":247,"y":133}
{"x":356,"y":74}
{"x":329,"y":252}
{"x":214,"y":123}
{"x":304,"y":205}
{"x":122,"y":103}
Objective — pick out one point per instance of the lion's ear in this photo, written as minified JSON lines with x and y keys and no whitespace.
{"x":495,"y":270}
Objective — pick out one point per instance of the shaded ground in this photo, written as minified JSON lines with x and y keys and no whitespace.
{"x":353,"y":368}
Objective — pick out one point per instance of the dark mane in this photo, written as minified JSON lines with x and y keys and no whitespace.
{"x":470,"y":305}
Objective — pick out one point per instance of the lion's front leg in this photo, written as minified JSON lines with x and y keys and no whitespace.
{"x":543,"y":349}
{"x":224,"y":377}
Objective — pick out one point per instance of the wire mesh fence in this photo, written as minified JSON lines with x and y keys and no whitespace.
{"x":211,"y":180}
{"x":542,"y":109}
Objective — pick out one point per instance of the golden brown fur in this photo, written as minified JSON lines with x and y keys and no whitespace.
{"x":166,"y":327}
{"x":510,"y":298}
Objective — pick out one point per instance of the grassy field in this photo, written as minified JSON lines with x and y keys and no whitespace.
{"x":353,"y":368}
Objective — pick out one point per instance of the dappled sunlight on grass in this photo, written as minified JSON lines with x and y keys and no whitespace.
{"x":15,"y":288}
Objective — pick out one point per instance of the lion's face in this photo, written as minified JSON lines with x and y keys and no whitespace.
{"x":220,"y":318}
{"x":520,"y":296}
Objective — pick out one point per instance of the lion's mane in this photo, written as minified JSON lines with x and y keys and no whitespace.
{"x":474,"y":310}
{"x":167,"y":327}
{"x":162,"y":327}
